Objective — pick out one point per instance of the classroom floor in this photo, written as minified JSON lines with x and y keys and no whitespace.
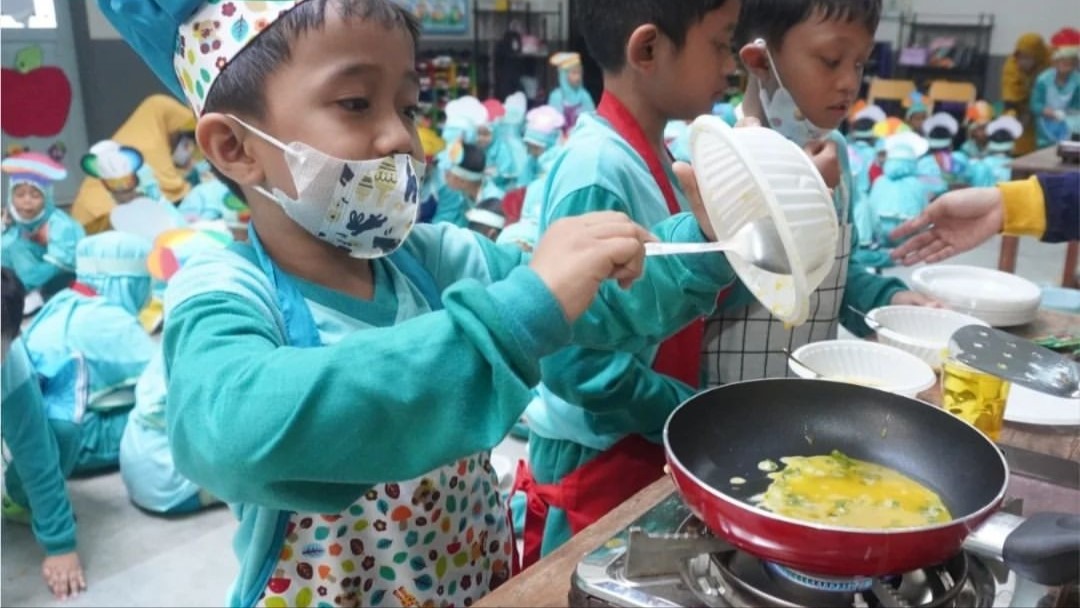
{"x":135,"y":559}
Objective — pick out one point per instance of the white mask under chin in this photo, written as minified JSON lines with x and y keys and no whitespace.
{"x":783,"y":114}
{"x":365,"y":207}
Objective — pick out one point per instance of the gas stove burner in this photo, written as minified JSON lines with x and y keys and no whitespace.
{"x":822,"y":583}
{"x":742,"y":579}
{"x":669,"y":558}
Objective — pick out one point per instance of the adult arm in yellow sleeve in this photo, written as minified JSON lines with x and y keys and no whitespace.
{"x":1045,"y":207}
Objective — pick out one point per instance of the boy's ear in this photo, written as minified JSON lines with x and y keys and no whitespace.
{"x":756,"y":60}
{"x":642,"y":46}
{"x":224,"y":143}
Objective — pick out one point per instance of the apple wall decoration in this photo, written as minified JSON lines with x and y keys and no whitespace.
{"x":37,"y":98}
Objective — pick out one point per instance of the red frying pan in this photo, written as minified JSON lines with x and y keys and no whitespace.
{"x":725,"y":432}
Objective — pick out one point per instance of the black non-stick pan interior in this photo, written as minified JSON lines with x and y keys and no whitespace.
{"x":726,"y":432}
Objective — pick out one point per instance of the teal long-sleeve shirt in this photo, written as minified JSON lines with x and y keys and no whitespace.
{"x":256,"y":421}
{"x":620,"y":392}
{"x":35,"y":454}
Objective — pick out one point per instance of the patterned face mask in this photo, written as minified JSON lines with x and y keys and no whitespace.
{"x":365,"y":207}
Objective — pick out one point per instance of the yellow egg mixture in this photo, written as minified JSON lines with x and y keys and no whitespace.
{"x":845,"y":492}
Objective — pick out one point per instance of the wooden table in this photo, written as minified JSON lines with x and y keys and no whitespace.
{"x":547,"y":583}
{"x":1042,"y":161}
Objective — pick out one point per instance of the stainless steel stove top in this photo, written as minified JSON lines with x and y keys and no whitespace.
{"x":667,"y":559}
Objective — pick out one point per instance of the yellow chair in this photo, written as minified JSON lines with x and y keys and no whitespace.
{"x":891,"y":90}
{"x":946,"y":90}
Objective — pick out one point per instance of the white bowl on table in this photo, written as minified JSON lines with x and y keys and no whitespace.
{"x":865,"y":363}
{"x":998,"y":298}
{"x":923,"y":332}
{"x":748,"y":173}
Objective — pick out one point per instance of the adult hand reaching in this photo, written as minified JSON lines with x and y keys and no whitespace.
{"x":956,"y":222}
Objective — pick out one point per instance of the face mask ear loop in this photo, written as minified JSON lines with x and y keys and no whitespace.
{"x":760,"y":42}
{"x":270,"y":139}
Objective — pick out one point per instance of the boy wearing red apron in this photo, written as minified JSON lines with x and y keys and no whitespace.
{"x":595,"y":433}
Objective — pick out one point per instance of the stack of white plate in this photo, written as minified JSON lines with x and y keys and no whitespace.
{"x":748,"y":173}
{"x":998,"y":298}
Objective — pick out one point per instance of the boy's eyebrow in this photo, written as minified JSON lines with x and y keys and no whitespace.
{"x":365,"y":69}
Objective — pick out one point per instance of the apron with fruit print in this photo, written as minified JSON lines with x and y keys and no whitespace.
{"x":749,"y":343}
{"x":443,"y":539}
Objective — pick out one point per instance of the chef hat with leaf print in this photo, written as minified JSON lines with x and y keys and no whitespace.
{"x":187,"y":43}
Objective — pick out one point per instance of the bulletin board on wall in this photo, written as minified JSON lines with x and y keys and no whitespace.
{"x":443,"y":18}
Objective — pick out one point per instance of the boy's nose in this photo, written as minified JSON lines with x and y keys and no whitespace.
{"x":395,"y":138}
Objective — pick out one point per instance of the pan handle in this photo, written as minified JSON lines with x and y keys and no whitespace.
{"x":1045,"y":548}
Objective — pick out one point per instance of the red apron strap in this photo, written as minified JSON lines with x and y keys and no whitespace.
{"x":680,"y":355}
{"x":590,"y":491}
{"x":624,"y":123}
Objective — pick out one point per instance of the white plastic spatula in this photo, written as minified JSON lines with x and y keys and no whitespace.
{"x":757,"y":243}
{"x":1019,"y":361}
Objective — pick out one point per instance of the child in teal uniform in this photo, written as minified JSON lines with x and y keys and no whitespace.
{"x":940,"y":129}
{"x":211,"y":200}
{"x":124,"y":174}
{"x":508,"y":156}
{"x":979,"y":115}
{"x":595,"y":430}
{"x":900,"y":194}
{"x":340,"y":379}
{"x":39,"y":240}
{"x":146,"y":463}
{"x":805,"y":59}
{"x":89,"y":349}
{"x":996,"y":166}
{"x":1055,"y":96}
{"x":861,"y":150}
{"x":35,"y":457}
{"x":542,"y":134}
{"x":571,"y":98}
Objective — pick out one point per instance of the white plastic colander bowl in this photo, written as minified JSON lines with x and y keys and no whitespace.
{"x":747,"y":173}
{"x":865,"y":363}
{"x":923,"y":332}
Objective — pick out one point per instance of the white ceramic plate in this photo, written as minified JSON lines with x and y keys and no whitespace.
{"x":1030,"y":407}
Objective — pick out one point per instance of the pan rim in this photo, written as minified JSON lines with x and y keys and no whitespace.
{"x":980,"y":514}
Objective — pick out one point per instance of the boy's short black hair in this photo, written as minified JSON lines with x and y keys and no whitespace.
{"x":772,"y":19}
{"x":12,"y":300}
{"x":607,"y":24}
{"x":240,"y":88}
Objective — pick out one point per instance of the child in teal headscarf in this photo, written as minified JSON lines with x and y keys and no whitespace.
{"x":570,"y":98}
{"x":41,"y":498}
{"x":899,"y":195}
{"x":89,"y":349}
{"x":507,"y":155}
{"x":39,"y":240}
